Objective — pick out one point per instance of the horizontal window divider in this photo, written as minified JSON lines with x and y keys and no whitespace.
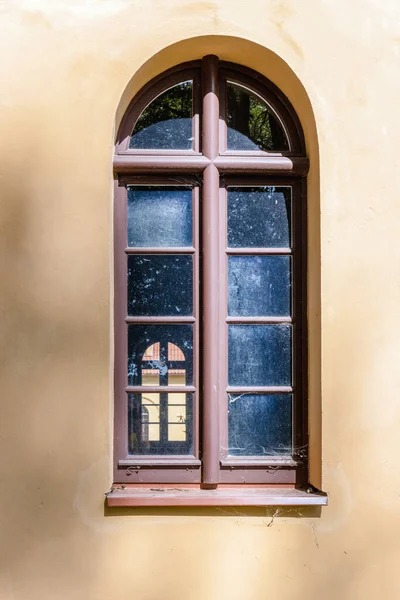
{"x":159,"y":461}
{"x":272,"y":462}
{"x":128,"y":163}
{"x":156,"y":152}
{"x":252,"y":153}
{"x":256,"y":251}
{"x":181,"y":495}
{"x":132,"y":320}
{"x":283,"y":165}
{"x":177,"y":250}
{"x":154,"y":389}
{"x":245,"y":320}
{"x":273,"y":389}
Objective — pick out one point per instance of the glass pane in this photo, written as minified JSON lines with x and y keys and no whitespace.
{"x":150,"y":377}
{"x":251,"y":123}
{"x":259,"y":286}
{"x":259,"y":217}
{"x":259,"y":424}
{"x":142,"y":358}
{"x":176,"y":432}
{"x":259,"y":355}
{"x":166,"y":123}
{"x":160,"y":285}
{"x":154,"y":429}
{"x":151,"y":408}
{"x":176,"y":413}
{"x":177,"y":376}
{"x":177,"y":370}
{"x":159,"y":216}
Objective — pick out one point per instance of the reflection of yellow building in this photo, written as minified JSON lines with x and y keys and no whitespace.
{"x":151,"y":400}
{"x":176,"y":411}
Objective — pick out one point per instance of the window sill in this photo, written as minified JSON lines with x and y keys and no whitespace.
{"x":223,"y":496}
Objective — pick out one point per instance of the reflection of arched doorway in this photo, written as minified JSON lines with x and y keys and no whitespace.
{"x":160,"y":422}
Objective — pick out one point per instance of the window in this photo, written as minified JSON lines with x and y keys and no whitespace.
{"x":210,"y":293}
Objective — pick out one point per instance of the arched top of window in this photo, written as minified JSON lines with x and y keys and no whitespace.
{"x":255,"y":116}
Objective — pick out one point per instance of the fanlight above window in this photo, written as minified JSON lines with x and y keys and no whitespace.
{"x":252,"y":125}
{"x":166,"y":123}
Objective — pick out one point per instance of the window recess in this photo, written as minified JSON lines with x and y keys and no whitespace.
{"x":210,"y":294}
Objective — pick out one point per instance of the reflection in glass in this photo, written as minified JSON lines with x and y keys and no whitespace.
{"x":259,"y":286}
{"x":177,"y":370}
{"x":259,"y":217}
{"x":160,"y":285}
{"x":151,"y":349}
{"x":259,"y":355}
{"x":259,"y":424}
{"x":160,"y":423}
{"x":251,"y":123}
{"x":159,"y":216}
{"x":166,"y":123}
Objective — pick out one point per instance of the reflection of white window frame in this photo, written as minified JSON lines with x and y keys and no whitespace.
{"x":145,"y":423}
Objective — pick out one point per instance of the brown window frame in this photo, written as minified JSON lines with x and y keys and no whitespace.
{"x":209,"y":477}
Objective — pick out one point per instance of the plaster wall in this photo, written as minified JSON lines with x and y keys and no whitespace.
{"x":69,"y":69}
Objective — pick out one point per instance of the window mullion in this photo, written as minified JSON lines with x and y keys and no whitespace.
{"x":211,"y":279}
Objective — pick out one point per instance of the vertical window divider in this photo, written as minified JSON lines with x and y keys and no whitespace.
{"x":120,"y":307}
{"x":223,"y":327}
{"x":196,"y":314}
{"x":211,"y":445}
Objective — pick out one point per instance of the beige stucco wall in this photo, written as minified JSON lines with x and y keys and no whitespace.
{"x":68,"y":69}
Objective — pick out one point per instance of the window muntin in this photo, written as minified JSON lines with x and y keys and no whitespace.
{"x":273,"y":209}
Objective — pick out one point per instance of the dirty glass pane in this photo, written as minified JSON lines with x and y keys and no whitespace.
{"x":154,"y":429}
{"x":259,"y":286}
{"x":148,"y":353}
{"x":150,"y":375}
{"x":251,"y":123}
{"x":259,"y":217}
{"x":160,"y":285}
{"x":159,"y":216}
{"x":259,"y":355}
{"x":177,"y":366}
{"x":166,"y":123}
{"x":259,"y":424}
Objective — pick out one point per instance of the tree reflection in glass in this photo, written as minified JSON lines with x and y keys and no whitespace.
{"x":166,"y":123}
{"x":251,"y":123}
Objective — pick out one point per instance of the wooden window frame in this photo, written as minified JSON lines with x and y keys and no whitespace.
{"x":210,"y":477}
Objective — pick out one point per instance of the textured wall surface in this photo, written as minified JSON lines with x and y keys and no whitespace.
{"x":69,"y":69}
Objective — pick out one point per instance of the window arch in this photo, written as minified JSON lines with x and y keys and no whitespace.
{"x":210,"y":278}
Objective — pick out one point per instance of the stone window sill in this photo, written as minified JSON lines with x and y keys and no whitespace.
{"x":154,"y":495}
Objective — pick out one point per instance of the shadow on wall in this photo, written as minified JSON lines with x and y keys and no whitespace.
{"x":53,"y":360}
{"x":55,"y":341}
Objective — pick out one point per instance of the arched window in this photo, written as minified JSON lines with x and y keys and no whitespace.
{"x":210,"y":291}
